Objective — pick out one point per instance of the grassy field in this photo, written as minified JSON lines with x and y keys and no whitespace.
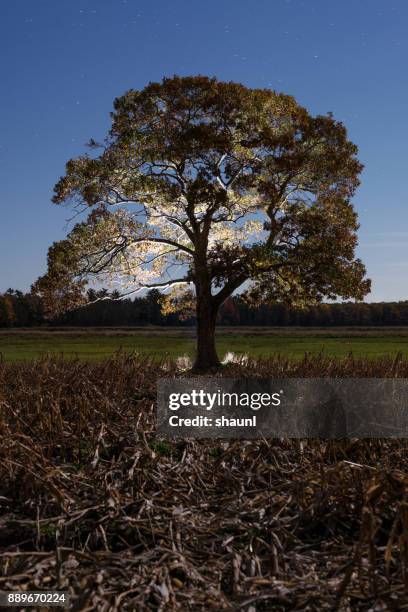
{"x":93,"y":345}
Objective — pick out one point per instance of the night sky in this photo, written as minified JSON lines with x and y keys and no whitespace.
{"x":64,"y":61}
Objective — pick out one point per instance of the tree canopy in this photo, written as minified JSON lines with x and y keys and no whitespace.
{"x":203,"y":187}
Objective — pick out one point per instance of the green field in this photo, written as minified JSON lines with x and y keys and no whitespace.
{"x":93,"y":345}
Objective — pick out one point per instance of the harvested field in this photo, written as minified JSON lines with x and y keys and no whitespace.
{"x":93,"y":502}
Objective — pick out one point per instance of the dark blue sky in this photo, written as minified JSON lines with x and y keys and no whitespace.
{"x":64,"y":61}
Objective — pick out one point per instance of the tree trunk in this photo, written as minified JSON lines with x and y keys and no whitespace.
{"x":206,"y":357}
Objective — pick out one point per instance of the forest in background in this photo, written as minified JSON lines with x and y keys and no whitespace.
{"x":18,"y":309}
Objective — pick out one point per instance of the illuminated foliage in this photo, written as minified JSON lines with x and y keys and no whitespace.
{"x":212,"y":187}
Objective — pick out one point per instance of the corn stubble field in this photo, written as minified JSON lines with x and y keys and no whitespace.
{"x":93,"y":502}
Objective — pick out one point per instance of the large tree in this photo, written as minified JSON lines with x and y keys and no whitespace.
{"x":204,"y":187}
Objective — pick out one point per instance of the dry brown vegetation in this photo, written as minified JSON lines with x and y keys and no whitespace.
{"x":93,"y":502}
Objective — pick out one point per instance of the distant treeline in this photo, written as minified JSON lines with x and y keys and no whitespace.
{"x":19,"y":309}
